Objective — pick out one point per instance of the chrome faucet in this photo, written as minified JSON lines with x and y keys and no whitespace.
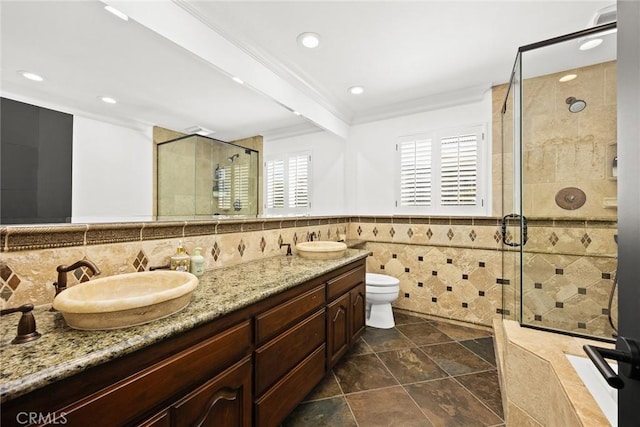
{"x":312,"y":236}
{"x":62,"y":270}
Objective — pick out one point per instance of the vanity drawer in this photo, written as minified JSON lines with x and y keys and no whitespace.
{"x":282,"y":398}
{"x":151,"y":386}
{"x":280,"y":318}
{"x":341,"y":284}
{"x":281,"y":354}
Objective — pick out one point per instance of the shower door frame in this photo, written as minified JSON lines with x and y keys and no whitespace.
{"x":514,"y":223}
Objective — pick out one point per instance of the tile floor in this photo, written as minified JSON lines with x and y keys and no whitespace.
{"x":420,"y":373}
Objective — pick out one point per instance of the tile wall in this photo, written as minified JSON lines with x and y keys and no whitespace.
{"x":458,"y":268}
{"x":560,"y":149}
{"x":30,"y":255}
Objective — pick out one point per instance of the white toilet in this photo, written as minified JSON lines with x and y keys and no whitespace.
{"x":381,"y":291}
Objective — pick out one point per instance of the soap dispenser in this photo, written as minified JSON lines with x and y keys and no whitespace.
{"x":197,"y":263}
{"x":180,"y":261}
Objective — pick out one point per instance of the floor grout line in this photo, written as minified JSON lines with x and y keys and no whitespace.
{"x":478,"y":399}
{"x":368,"y":347}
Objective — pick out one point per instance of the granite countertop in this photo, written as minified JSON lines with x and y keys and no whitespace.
{"x":62,"y":352}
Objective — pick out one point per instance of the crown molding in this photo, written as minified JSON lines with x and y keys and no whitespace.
{"x":436,"y":101}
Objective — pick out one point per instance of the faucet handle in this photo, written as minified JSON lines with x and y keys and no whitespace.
{"x":27,"y":324}
{"x":288,"y":245}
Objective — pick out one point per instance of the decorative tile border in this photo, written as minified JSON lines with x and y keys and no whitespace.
{"x":113,"y":233}
{"x":33,"y":237}
{"x":20,"y":238}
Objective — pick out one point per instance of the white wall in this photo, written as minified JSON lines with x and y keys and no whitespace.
{"x":328,"y":168}
{"x":112,"y":172}
{"x":356,"y":176}
{"x":371,"y":152}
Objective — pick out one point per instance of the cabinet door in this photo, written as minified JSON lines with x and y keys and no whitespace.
{"x":357,"y":313}
{"x":223,"y":401}
{"x":338,"y":330}
{"x":163,"y":419}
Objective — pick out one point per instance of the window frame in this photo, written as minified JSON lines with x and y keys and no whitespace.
{"x":286,"y":158}
{"x":483,"y":173}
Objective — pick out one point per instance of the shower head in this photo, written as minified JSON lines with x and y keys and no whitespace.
{"x":232,"y":158}
{"x":576,"y":105}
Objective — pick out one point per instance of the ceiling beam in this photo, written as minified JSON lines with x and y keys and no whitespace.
{"x":173,"y":22}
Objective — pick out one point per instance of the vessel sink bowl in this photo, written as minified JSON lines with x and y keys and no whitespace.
{"x":321,"y":249}
{"x":125,"y":300}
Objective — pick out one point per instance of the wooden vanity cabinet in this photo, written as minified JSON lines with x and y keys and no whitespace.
{"x":345,"y":312}
{"x":251,"y":367}
{"x":136,"y":388}
{"x":223,"y":400}
{"x":290,"y":356}
{"x":357,"y":299}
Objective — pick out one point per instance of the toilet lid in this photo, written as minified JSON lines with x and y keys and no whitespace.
{"x":373,"y":279}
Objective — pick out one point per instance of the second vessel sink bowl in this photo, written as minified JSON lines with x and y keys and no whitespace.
{"x":321,"y":249}
{"x":125,"y":300}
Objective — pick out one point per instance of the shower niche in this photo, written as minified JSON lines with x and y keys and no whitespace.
{"x":202,"y":178}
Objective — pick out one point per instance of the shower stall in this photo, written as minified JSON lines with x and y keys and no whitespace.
{"x":200,"y":177}
{"x":559,"y":185}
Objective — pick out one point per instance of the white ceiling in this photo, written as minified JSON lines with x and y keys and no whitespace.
{"x":169,"y":66}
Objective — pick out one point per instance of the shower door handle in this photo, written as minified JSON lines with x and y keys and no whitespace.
{"x":524,"y":230}
{"x":628,"y":355}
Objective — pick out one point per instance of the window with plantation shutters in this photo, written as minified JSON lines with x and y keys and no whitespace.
{"x":274,"y":183}
{"x":415,"y":172}
{"x":459,"y":170}
{"x":443,"y":173}
{"x":287,"y":183}
{"x":241,"y":186}
{"x":224,"y":184}
{"x":299,"y":181}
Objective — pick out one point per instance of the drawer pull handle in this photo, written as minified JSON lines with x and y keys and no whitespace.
{"x":225,"y":394}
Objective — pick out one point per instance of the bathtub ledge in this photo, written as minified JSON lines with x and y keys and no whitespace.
{"x":539,"y":381}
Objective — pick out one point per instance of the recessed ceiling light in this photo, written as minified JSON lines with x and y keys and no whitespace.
{"x":309,"y":40}
{"x":590,"y":44}
{"x":31,"y":76}
{"x":567,"y":78}
{"x":237,"y":80}
{"x":116,"y":12}
{"x":356,"y":90}
{"x":107,"y":99}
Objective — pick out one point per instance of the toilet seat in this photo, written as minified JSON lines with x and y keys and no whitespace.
{"x":380,"y":280}
{"x":382,"y":289}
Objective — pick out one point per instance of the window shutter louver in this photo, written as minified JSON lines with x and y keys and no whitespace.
{"x":459,"y":170}
{"x":415,"y":173}
{"x":224,"y":185}
{"x":275,"y":184}
{"x":299,"y":181}
{"x":241,"y":184}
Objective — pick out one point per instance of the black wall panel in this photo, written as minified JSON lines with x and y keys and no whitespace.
{"x":35,"y":161}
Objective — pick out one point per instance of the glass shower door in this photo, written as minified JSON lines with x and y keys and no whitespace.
{"x":562,"y":221}
{"x":510,"y":202}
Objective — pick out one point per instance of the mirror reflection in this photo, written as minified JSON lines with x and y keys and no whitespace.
{"x":85,"y":55}
{"x":199,"y":177}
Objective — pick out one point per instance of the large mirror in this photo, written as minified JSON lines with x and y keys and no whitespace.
{"x":87,"y":56}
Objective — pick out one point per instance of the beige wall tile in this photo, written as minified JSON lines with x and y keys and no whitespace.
{"x":528,"y":382}
{"x":518,"y":417}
